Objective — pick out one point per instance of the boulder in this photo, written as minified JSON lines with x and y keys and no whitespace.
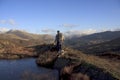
{"x":47,"y":59}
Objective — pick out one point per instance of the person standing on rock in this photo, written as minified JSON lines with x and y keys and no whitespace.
{"x":59,"y":38}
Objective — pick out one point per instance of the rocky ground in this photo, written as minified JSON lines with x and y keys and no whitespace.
{"x":9,"y":50}
{"x":71,"y":66}
{"x":17,"y":53}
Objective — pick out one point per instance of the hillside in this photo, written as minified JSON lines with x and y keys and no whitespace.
{"x":77,"y":42}
{"x":26,"y":35}
{"x":18,"y":44}
{"x":75,"y":65}
{"x":24,"y":38}
{"x":14,"y":44}
{"x":112,"y":46}
{"x":12,"y":50}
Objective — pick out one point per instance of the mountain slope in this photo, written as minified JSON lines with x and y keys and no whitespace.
{"x":112,"y":46}
{"x":92,"y":39}
{"x":94,"y":67}
{"x":25,"y":38}
{"x":12,"y":50}
{"x":26,"y":35}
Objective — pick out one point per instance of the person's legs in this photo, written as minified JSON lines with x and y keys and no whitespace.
{"x":60,"y":47}
{"x":57,"y":46}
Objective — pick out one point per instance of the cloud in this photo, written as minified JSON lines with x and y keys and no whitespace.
{"x":69,"y":25}
{"x":3,"y":29}
{"x":3,"y":21}
{"x":117,"y":29}
{"x":71,"y":33}
{"x":80,"y":32}
{"x":89,"y":31}
{"x":12,"y":22}
{"x":108,"y":29}
{"x":48,"y":30}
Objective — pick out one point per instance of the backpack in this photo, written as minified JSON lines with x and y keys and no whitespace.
{"x":59,"y":37}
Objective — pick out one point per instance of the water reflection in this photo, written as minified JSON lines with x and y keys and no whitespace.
{"x":25,"y":69}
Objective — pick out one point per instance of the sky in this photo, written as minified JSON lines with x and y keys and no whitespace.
{"x":70,"y":16}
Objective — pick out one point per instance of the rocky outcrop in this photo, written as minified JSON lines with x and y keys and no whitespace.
{"x":72,"y":69}
{"x":47,"y":59}
{"x":85,"y":71}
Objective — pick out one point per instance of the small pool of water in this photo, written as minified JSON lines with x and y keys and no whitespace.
{"x":25,"y":69}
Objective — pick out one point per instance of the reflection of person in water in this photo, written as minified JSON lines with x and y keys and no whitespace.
{"x":59,"y":41}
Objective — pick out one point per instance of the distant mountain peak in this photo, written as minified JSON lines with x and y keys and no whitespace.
{"x":3,"y":30}
{"x":15,"y":30}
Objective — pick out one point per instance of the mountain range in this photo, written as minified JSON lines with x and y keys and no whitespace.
{"x":112,"y":46}
{"x":92,"y":44}
{"x":99,"y":49}
{"x":96,"y":38}
{"x":25,"y":38}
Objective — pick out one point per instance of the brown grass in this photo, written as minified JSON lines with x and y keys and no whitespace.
{"x":109,"y":66}
{"x":79,"y":76}
{"x":67,"y":74}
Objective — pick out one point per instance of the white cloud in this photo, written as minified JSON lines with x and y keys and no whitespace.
{"x":48,"y":30}
{"x":3,"y":29}
{"x":69,"y":25}
{"x":117,"y":29}
{"x":80,"y":32}
{"x":3,"y":21}
{"x":11,"y":22}
{"x":71,"y":33}
{"x":108,"y":29}
{"x":89,"y":31}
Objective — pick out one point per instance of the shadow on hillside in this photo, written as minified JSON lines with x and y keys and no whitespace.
{"x":40,"y":49}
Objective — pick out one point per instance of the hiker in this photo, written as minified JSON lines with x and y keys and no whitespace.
{"x":59,"y":41}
